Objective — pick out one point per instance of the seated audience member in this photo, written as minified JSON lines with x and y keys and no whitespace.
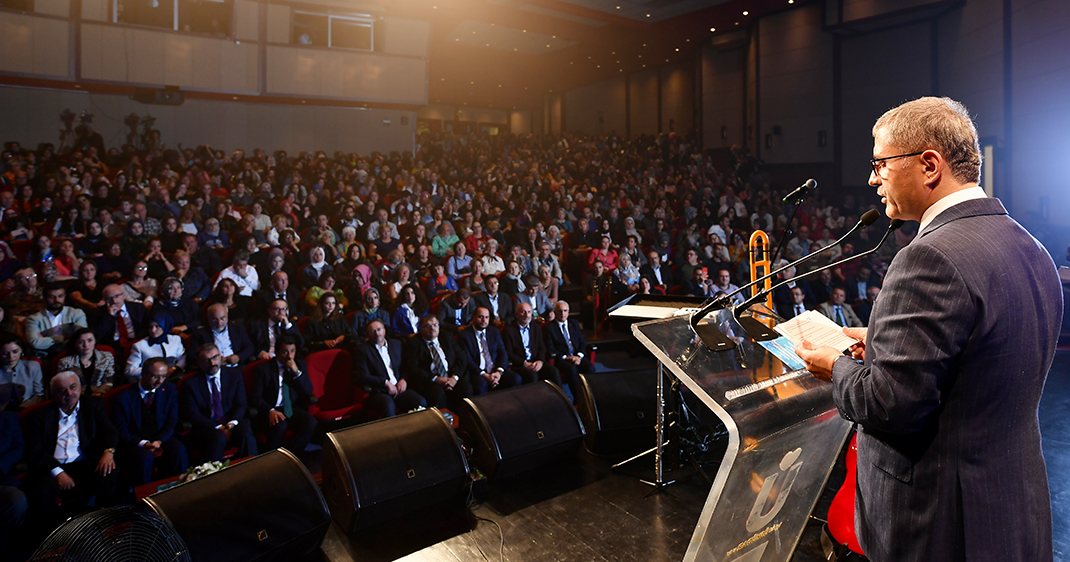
{"x":536,"y":299}
{"x":87,"y":292}
{"x":213,"y":401}
{"x":327,"y":284}
{"x":475,"y":281}
{"x":371,"y":311}
{"x":277,"y":288}
{"x":605,"y":253}
{"x":266,"y":331}
{"x":243,"y":276}
{"x":48,"y":330}
{"x":183,"y":311}
{"x":114,"y":264}
{"x":492,"y":262}
{"x":160,"y":266}
{"x":838,"y":312}
{"x":70,"y":452}
{"x":226,"y":292}
{"x":316,"y":267}
{"x":526,"y":349}
{"x":822,"y":285}
{"x":230,"y":338}
{"x":857,"y":285}
{"x":498,"y":303}
{"x":485,"y":355}
{"x":27,"y":299}
{"x":511,"y":283}
{"x":22,"y":372}
{"x":402,"y":276}
{"x":206,"y":259}
{"x":145,"y":416}
{"x":139,"y":287}
{"x":408,"y":310}
{"x":439,"y":283}
{"x":659,"y":274}
{"x":796,"y":306}
{"x":566,"y":344}
{"x":455,"y":311}
{"x":159,"y":343}
{"x":686,"y":272}
{"x":700,"y":284}
{"x":195,"y":282}
{"x":13,"y":504}
{"x":378,"y":365}
{"x":328,"y":329}
{"x":435,"y":366}
{"x":782,"y":296}
{"x":118,"y":323}
{"x":281,"y":394}
{"x":865,"y":308}
{"x":460,"y":263}
{"x":95,"y":367}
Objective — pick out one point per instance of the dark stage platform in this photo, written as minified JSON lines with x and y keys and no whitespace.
{"x":582,"y":511}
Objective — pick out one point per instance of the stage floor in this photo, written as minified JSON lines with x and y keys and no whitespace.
{"x":580,"y":511}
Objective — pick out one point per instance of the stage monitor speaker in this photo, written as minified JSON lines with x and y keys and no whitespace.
{"x":264,"y":509}
{"x":521,"y":428}
{"x":618,"y":410}
{"x":384,"y":469}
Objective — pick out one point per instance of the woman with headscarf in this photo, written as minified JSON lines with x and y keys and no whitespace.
{"x":90,"y":245}
{"x":114,"y":264}
{"x":134,"y":243}
{"x":159,"y":343}
{"x":372,"y":311}
{"x":96,"y":367}
{"x":317,"y":266}
{"x":213,"y":236}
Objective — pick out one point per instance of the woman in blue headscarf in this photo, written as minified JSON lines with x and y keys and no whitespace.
{"x":160,"y":343}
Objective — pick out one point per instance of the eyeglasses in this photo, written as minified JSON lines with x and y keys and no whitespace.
{"x":879,"y":163}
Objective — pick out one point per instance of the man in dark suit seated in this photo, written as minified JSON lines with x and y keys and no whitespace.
{"x":231,"y":339}
{"x":484,"y":352}
{"x":277,"y":288}
{"x":145,"y":416}
{"x":455,"y":311}
{"x":70,"y":451}
{"x":12,"y":501}
{"x":213,"y":401}
{"x":782,"y":296}
{"x":265,"y":331}
{"x":442,"y":380}
{"x":378,"y":365}
{"x":526,"y":349}
{"x":566,"y":344}
{"x":281,"y":393}
{"x":795,"y":307}
{"x":499,"y":304}
{"x":660,"y":275}
{"x":117,"y":322}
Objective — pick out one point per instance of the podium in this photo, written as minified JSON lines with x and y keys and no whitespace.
{"x":784,"y":435}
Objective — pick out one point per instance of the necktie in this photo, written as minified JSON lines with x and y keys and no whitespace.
{"x":148,"y":398}
{"x":839,"y":317}
{"x":124,"y":332}
{"x":568,"y":340}
{"x":287,"y":405}
{"x":436,"y":359}
{"x":486,"y":352}
{"x":217,"y":399}
{"x":799,"y":309}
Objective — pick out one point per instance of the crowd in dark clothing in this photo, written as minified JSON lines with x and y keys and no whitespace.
{"x":442,"y":274}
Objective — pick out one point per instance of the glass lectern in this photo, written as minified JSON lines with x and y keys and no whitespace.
{"x":784,"y":436}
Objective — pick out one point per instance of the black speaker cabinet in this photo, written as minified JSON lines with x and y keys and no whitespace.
{"x":618,"y":410}
{"x":521,"y":428}
{"x":384,"y":469}
{"x":264,"y":509}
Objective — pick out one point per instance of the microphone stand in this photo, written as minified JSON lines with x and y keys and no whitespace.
{"x":787,"y":228}
{"x":764,"y":333}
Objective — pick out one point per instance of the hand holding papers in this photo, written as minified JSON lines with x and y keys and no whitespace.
{"x":817,"y":329}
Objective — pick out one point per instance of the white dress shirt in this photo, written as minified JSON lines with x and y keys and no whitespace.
{"x":384,"y":353}
{"x":68,"y":444}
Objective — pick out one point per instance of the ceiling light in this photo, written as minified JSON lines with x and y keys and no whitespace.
{"x":547,"y":46}
{"x":618,"y":62}
{"x":472,"y":83}
{"x":677,"y":50}
{"x":746,"y":13}
{"x":487,"y":44}
{"x":525,"y":31}
{"x":514,"y":48}
{"x":618,"y":7}
{"x":598,"y":66}
{"x":648,"y":15}
{"x":712,"y":29}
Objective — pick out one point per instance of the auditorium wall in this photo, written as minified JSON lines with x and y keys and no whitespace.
{"x":221,"y":124}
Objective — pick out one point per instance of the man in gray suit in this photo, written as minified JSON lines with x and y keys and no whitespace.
{"x":48,"y":330}
{"x":949,"y":459}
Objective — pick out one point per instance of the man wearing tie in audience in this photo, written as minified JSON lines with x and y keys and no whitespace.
{"x":435,"y":366}
{"x":567,"y":345}
{"x":145,"y":416}
{"x":838,"y":312}
{"x":213,"y":401}
{"x":281,"y":393}
{"x":488,"y":362}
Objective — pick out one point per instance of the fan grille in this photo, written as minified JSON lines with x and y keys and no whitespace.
{"x":115,"y":534}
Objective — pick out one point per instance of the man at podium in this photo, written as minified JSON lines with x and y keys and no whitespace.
{"x":959,"y":344}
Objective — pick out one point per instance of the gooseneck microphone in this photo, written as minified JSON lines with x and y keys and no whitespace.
{"x":896,"y":223}
{"x":868,"y":218}
{"x":801,"y":191}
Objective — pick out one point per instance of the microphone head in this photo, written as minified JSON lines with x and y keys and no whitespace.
{"x":810,"y":185}
{"x":870,"y":217}
{"x":896,"y":223}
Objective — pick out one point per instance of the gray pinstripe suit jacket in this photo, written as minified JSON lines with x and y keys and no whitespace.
{"x":960,"y":342}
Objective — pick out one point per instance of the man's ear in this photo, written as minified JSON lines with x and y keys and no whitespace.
{"x":933,"y":164}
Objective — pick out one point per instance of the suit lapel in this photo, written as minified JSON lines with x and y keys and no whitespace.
{"x":971,"y":208}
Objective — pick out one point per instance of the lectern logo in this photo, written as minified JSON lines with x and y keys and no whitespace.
{"x":759,"y":522}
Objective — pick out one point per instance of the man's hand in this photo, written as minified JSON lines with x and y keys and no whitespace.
{"x":575,"y":359}
{"x":819,"y":359}
{"x":106,"y":464}
{"x":64,"y":481}
{"x":402,"y":385}
{"x":858,"y":350}
{"x":261,"y":355}
{"x":274,"y":417}
{"x":391,"y":389}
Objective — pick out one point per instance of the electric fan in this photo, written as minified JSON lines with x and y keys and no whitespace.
{"x":113,"y":535}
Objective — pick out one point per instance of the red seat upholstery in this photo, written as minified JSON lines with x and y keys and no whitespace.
{"x":331,"y":373}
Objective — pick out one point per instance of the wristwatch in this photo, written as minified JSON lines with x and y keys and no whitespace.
{"x":110,"y":450}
